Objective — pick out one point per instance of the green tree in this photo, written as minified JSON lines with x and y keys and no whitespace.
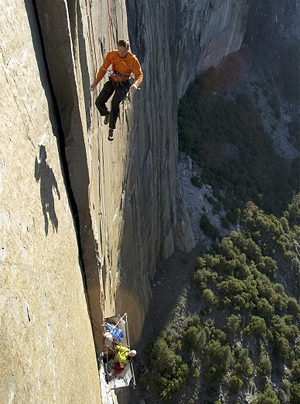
{"x":267,"y":397}
{"x":293,"y":307}
{"x":192,"y":338}
{"x":256,"y":327}
{"x":243,"y":364}
{"x":163,"y":358}
{"x":218,"y":354}
{"x":268,"y":266}
{"x":295,"y":393}
{"x":194,"y":320}
{"x":233,"y":323}
{"x":264,"y":366}
{"x":264,"y":309}
{"x":208,"y":229}
{"x":296,"y":370}
{"x":281,"y":347}
{"x":235,"y":384}
{"x":208,"y":296}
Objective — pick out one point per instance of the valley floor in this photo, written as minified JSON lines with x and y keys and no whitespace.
{"x":170,"y":288}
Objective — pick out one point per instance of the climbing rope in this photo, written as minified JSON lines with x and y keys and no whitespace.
{"x":93,"y":36}
{"x":110,"y":25}
{"x":93,"y":44}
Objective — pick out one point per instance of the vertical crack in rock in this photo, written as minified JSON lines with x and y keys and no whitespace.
{"x":58,"y":53}
{"x":181,"y":40}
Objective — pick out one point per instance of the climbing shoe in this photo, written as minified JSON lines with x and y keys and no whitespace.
{"x":111,"y":134}
{"x":106,"y":119}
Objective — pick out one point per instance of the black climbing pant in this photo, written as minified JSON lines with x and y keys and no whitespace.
{"x":120,"y":89}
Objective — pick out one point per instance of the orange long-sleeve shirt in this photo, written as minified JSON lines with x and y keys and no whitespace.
{"x":127,"y":65}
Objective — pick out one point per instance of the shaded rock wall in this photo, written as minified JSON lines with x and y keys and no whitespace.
{"x":175,"y":40}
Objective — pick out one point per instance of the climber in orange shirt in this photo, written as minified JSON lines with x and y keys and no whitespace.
{"x":126,"y":76}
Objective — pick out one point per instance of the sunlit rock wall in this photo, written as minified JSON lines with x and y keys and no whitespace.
{"x":46,"y":342}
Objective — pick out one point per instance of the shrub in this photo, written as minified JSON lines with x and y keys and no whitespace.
{"x":295,"y":393}
{"x":244,"y":368}
{"x":196,"y":181}
{"x":296,"y":370}
{"x":281,"y":347}
{"x":208,"y":296}
{"x":264,"y":309}
{"x":168,"y":370}
{"x":196,"y":368}
{"x":264,"y":367}
{"x":233,"y":323}
{"x":163,"y":358}
{"x":192,"y":338}
{"x":232,"y":216}
{"x":268,"y":266}
{"x":207,"y":228}
{"x":256,"y":327}
{"x":194,"y":320}
{"x":144,"y":377}
{"x":293,"y":307}
{"x":267,"y":397}
{"x":213,"y":373}
{"x":244,"y":365}
{"x":218,"y":354}
{"x":235,"y":383}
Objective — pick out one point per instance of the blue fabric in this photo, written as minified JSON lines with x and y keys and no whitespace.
{"x":115,"y":332}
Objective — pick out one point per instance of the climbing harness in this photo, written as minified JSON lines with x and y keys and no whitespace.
{"x":129,"y":78}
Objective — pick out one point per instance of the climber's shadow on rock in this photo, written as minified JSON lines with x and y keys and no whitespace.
{"x":48,"y":184}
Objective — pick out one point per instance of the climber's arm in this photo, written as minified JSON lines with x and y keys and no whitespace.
{"x":137,"y":71}
{"x":102,"y":71}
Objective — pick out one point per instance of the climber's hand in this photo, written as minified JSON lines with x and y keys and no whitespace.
{"x":133,"y":88}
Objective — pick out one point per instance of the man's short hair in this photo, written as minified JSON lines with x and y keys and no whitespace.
{"x":124,"y":43}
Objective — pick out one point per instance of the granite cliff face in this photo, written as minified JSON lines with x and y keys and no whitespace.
{"x":46,"y":343}
{"x":77,"y":210}
{"x":174,"y":40}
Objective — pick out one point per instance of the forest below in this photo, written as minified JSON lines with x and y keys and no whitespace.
{"x":242,"y":341}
